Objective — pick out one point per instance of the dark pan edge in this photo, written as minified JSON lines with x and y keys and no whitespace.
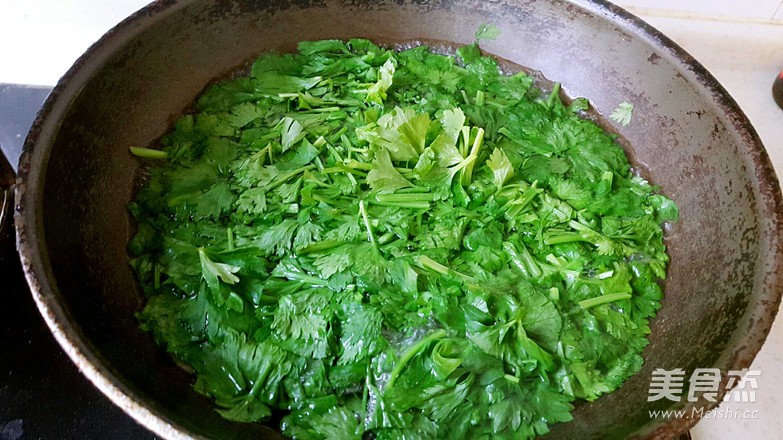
{"x":29,"y":237}
{"x":769,"y":203}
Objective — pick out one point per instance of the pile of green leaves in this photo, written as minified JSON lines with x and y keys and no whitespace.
{"x":405,"y":244}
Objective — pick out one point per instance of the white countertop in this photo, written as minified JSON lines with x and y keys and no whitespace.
{"x":740,"y":42}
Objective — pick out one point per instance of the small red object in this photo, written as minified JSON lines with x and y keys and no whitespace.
{"x":777,"y":89}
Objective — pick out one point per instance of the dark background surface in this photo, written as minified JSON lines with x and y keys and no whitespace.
{"x":42,"y":394}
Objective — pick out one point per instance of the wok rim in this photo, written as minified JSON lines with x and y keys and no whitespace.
{"x":31,"y":243}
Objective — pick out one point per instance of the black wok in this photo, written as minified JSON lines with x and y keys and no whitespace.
{"x":76,"y":176}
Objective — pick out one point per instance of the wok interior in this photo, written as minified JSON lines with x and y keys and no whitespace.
{"x":136,"y":89}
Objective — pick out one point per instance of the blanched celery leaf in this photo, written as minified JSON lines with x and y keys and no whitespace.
{"x":622,"y":114}
{"x":383,"y":177}
{"x":397,"y":245}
